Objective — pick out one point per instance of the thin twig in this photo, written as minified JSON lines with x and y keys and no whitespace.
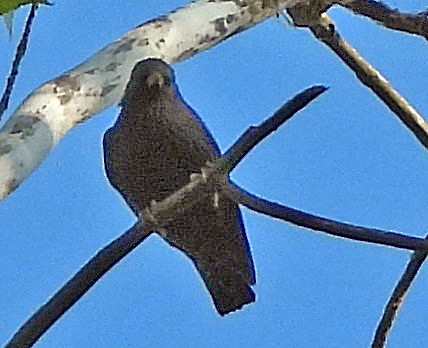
{"x":321,"y":224}
{"x":109,"y":256}
{"x":390,"y":18}
{"x":20,"y":52}
{"x":372,"y":78}
{"x":325,"y":30}
{"x":397,"y":297}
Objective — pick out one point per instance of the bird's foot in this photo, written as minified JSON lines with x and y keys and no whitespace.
{"x":195,"y":177}
{"x":148,"y":213}
{"x":204,"y":173}
{"x":206,"y":170}
{"x":209,"y":164}
{"x":216,"y":200}
{"x":216,"y":197}
{"x":153,"y":204}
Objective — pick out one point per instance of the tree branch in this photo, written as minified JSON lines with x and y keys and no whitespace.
{"x":152,"y":218}
{"x":183,"y":199}
{"x":50,"y":111}
{"x":321,"y":224}
{"x":397,"y":297}
{"x":217,"y":172}
{"x":390,"y":18}
{"x":325,"y":30}
{"x":77,"y":286}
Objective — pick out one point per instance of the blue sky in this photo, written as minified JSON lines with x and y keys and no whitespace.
{"x":345,"y":157}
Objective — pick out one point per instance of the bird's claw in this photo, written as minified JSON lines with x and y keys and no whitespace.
{"x":148,"y":212}
{"x":216,"y":197}
{"x":195,"y":177}
{"x":206,"y":169}
{"x":204,"y":173}
{"x":153,"y":204}
{"x":216,"y":200}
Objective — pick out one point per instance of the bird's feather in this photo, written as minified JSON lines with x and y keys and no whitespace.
{"x":150,"y":152}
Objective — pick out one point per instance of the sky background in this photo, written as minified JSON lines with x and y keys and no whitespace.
{"x":346,"y":157}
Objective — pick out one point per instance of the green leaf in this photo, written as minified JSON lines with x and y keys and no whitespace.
{"x":11,"y":5}
{"x":7,"y":8}
{"x":8,"y":18}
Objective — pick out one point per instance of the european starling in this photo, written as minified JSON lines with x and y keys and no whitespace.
{"x":150,"y":152}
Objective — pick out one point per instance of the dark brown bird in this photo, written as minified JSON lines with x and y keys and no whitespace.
{"x":150,"y":152}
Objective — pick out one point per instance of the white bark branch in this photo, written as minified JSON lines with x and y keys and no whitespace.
{"x":50,"y":111}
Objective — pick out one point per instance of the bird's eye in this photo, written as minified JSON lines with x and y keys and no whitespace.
{"x":167,"y":81}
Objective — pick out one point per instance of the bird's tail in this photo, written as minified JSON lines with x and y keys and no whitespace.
{"x":229,"y":291}
{"x":215,"y":241}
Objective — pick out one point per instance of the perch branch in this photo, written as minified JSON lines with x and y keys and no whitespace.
{"x":77,"y":286}
{"x":109,"y":256}
{"x":397,"y":297}
{"x":70,"y":293}
{"x":164,"y":211}
{"x":321,"y":224}
{"x":325,"y":30}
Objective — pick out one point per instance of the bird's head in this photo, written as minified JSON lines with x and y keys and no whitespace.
{"x":150,"y":77}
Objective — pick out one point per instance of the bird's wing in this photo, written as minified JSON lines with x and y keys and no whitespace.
{"x":214,"y":239}
{"x":8,"y":21}
{"x":189,"y":127}
{"x":115,"y":169}
{"x":106,"y":152}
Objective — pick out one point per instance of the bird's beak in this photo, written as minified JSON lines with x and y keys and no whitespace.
{"x":155,"y":79}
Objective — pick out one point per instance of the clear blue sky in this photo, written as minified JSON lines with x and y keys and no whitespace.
{"x":345,"y":157}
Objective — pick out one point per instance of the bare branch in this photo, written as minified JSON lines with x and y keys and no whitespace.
{"x":20,"y":52}
{"x":161,"y":212}
{"x":50,"y":111}
{"x":77,"y":286}
{"x":317,"y":223}
{"x":397,"y":297}
{"x":325,"y":30}
{"x":391,"y":18}
{"x":183,"y":199}
{"x":217,"y":171}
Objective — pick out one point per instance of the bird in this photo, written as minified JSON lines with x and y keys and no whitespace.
{"x":150,"y":152}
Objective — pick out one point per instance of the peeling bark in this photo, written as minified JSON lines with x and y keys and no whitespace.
{"x":50,"y":111}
